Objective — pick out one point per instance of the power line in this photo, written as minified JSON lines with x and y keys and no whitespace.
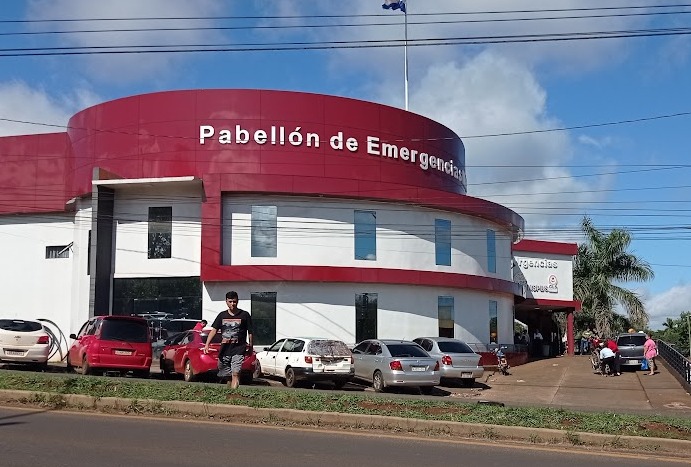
{"x":332,"y":45}
{"x":412,"y":14}
{"x":333,"y":25}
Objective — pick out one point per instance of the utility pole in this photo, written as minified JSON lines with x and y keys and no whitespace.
{"x":688,"y":328}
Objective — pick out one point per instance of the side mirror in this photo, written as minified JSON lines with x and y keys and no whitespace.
{"x":73,"y":336}
{"x":266,"y":348}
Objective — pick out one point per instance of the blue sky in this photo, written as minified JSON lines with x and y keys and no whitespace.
{"x":632,"y":175}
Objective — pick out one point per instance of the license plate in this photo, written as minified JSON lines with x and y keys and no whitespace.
{"x":15,"y":353}
{"x":123,"y":352}
{"x":418,"y":368}
{"x":634,"y":362}
{"x":466,"y":375}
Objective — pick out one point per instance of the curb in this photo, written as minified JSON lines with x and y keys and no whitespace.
{"x":369,"y":422}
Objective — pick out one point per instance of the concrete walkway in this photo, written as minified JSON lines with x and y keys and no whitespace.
{"x":569,"y":382}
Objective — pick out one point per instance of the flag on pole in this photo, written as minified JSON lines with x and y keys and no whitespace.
{"x":394,"y":5}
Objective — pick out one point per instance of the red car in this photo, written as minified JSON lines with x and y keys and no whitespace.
{"x":112,"y":343}
{"x":184,"y":354}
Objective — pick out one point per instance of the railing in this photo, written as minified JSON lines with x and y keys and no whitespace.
{"x":677,"y":361}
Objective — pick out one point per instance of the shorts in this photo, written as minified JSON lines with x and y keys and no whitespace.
{"x":230,"y":364}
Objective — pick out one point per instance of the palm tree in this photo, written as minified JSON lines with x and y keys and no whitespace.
{"x":601,"y":261}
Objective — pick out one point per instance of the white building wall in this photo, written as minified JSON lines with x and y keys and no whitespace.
{"x":131,"y":214}
{"x":404,"y":312}
{"x":320,"y":232}
{"x":34,"y":287}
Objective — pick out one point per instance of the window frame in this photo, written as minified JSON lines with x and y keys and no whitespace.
{"x":442,"y":242}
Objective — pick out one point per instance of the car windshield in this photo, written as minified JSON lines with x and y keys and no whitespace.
{"x":328,"y":347}
{"x":18,"y":325}
{"x":454,"y":347}
{"x":631,"y":340}
{"x":406,"y":350}
{"x":124,"y":330}
{"x":178,"y":326}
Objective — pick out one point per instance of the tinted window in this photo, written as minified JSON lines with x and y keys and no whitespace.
{"x":18,"y":325}
{"x":179,"y":326}
{"x":129,"y":331}
{"x":361,"y":347}
{"x":277,"y":345}
{"x":454,"y":347}
{"x":631,"y":340}
{"x":406,"y":350}
{"x":328,"y":347}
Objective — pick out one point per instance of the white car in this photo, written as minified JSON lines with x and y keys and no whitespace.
{"x":24,"y":341}
{"x":296,"y":359}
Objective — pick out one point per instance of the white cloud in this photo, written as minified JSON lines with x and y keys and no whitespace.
{"x":598,"y":143}
{"x":668,"y":304}
{"x":18,"y":101}
{"x":528,"y":173}
{"x":129,"y":67}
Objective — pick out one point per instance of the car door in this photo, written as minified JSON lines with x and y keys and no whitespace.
{"x":360,"y":360}
{"x":83,"y":341}
{"x":267,"y":358}
{"x":288,"y":355}
{"x":180,"y":351}
{"x":168,"y":352}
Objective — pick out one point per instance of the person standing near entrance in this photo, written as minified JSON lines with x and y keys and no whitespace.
{"x":537,"y":343}
{"x":650,"y":350}
{"x":585,"y":341}
{"x":235,"y":326}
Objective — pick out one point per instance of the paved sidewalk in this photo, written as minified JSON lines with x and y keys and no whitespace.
{"x":569,"y":382}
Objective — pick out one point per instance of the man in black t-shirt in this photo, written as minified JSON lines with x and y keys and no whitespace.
{"x":235,"y":326}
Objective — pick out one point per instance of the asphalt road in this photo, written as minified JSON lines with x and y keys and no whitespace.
{"x":31,"y":437}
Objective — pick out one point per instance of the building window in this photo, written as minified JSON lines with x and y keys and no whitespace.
{"x":365,"y":235}
{"x":264,"y":234}
{"x":59,"y":251}
{"x":160,"y":232}
{"x":365,"y":316}
{"x":263,"y":310}
{"x":491,"y":251}
{"x":442,"y":241}
{"x":493,"y":338}
{"x":445,"y":316}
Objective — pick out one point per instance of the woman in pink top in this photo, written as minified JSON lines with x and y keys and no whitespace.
{"x":650,"y":352}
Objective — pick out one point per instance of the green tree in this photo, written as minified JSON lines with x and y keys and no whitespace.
{"x":601,"y":264}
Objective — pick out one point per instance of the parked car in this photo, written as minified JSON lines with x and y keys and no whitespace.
{"x":298,"y":359}
{"x":184,"y":354}
{"x":631,"y":351}
{"x":24,"y":341}
{"x":457,"y":360}
{"x":387,"y":363}
{"x":112,"y":343}
{"x":178,"y":325}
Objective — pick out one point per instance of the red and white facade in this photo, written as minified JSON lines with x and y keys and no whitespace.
{"x":213,"y":155}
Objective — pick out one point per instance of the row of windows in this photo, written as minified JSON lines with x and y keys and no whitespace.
{"x":263,"y":310}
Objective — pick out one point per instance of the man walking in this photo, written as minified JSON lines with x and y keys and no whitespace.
{"x":235,"y":326}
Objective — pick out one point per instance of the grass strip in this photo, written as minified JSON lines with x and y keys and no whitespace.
{"x":452,"y":411}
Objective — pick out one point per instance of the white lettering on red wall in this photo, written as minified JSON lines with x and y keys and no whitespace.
{"x":282,"y":136}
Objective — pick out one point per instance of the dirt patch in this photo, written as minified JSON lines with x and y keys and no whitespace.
{"x":662,"y":430}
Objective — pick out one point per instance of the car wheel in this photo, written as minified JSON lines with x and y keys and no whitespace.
{"x":70,"y":368}
{"x":86,"y":369}
{"x":189,"y":375}
{"x":290,"y":378}
{"x":257,"y":371}
{"x":164,"y":369}
{"x":468,"y":382}
{"x":378,"y":382}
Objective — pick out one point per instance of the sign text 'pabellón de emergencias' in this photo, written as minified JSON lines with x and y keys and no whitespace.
{"x":279,"y":136}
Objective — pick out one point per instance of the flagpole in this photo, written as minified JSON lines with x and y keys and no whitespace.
{"x":405,"y":57}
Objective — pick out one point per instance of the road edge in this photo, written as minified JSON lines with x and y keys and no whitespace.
{"x":537,"y":436}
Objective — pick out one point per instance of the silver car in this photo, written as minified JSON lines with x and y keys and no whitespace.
{"x":458,"y":360}
{"x":387,"y":363}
